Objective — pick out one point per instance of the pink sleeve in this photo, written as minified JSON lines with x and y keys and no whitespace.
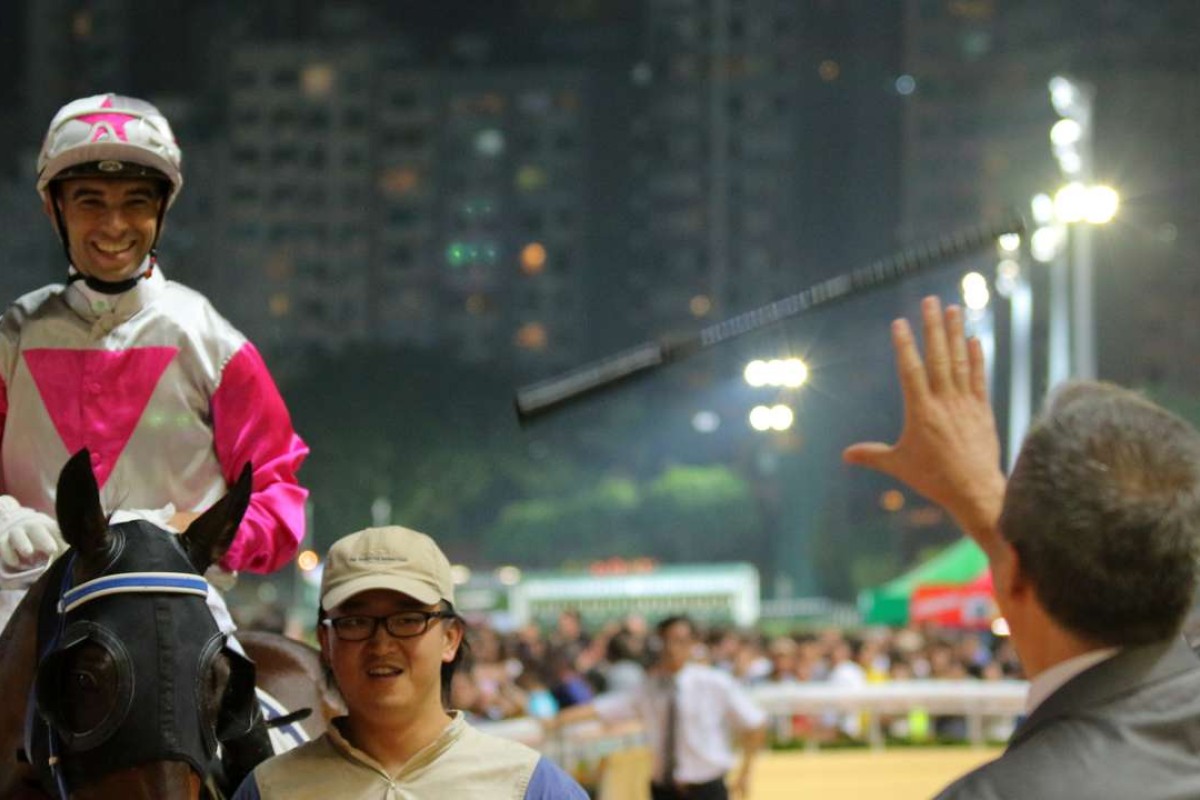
{"x":251,"y":424}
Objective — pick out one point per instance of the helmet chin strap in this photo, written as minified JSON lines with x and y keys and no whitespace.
{"x":116,"y":287}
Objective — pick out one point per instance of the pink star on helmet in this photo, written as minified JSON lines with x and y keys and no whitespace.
{"x":103,"y":124}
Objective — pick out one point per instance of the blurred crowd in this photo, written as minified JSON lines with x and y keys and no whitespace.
{"x":536,"y":672}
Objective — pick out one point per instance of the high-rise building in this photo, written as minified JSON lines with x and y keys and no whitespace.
{"x":760,"y":164}
{"x":299,"y":213}
{"x":513,"y":213}
{"x":374,"y":199}
{"x":74,"y":48}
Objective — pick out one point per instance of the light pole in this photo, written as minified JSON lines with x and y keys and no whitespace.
{"x":788,"y":489}
{"x":1077,"y":206}
{"x":1080,"y":204}
{"x":977,"y":298}
{"x":1013,"y":284}
{"x":1071,"y":138}
{"x":1046,"y":246}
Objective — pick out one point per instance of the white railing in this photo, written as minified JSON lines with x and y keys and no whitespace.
{"x":974,"y":700}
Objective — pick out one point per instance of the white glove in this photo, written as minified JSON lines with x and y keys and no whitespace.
{"x":159,"y":516}
{"x":28,"y":539}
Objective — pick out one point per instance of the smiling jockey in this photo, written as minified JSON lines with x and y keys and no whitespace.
{"x":169,"y":398}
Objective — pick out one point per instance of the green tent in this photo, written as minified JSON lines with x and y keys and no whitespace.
{"x":888,"y":604}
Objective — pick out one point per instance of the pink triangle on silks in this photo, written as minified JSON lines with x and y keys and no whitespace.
{"x":96,"y":397}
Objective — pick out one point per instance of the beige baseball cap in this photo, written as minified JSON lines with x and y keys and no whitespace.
{"x":392,"y":557}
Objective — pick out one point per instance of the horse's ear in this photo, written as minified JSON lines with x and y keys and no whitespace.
{"x":77,"y":505}
{"x":210,"y":534}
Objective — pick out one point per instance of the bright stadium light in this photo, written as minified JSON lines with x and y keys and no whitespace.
{"x":756,"y":373}
{"x":1045,"y":242}
{"x":1071,"y":202}
{"x":1102,"y":205}
{"x":706,"y":421}
{"x":975,"y":291}
{"x":760,"y":418}
{"x":1070,"y":162}
{"x":1009,"y":242}
{"x":1042,"y":207}
{"x":781,"y":417}
{"x":1066,"y":132}
{"x":778,"y":372}
{"x":1008,"y":273}
{"x":1065,"y":97}
{"x":794,"y":373}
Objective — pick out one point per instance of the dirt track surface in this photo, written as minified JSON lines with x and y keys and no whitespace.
{"x":896,"y":774}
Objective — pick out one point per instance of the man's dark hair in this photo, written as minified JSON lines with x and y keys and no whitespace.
{"x":620,"y":648}
{"x":663,"y":625}
{"x":1103,"y":509}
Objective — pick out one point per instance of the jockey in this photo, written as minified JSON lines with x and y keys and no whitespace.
{"x":169,"y":398}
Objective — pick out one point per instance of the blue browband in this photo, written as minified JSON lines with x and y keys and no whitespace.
{"x":162,"y":582}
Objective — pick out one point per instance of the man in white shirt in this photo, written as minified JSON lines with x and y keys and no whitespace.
{"x":690,"y":713}
{"x":845,"y":673}
{"x":1093,"y":544}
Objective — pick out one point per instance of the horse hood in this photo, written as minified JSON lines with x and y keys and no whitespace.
{"x":148,"y":666}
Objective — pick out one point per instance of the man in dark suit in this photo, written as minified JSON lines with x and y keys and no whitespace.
{"x":1093,"y":547}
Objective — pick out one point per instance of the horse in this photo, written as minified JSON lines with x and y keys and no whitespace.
{"x":132,"y":684}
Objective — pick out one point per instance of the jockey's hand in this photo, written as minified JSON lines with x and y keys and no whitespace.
{"x":28,"y":539}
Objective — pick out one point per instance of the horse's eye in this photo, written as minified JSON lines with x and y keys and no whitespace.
{"x":83,"y":680}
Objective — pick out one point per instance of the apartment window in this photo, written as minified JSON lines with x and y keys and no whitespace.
{"x":283,"y":78}
{"x":283,"y":117}
{"x":246,"y":155}
{"x":317,"y":118}
{"x":405,"y":99}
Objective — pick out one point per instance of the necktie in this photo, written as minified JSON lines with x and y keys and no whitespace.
{"x":668,"y":773}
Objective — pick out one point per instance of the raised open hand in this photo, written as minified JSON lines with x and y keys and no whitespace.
{"x":948,"y":450}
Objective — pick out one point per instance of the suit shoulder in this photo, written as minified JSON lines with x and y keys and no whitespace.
{"x":980,"y":783}
{"x":1101,"y":756}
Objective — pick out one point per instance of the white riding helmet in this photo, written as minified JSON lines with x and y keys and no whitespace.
{"x":110,"y":136}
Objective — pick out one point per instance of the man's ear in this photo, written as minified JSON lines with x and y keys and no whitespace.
{"x":452,"y":640}
{"x":1010,"y":580}
{"x":48,"y":206}
{"x":323,"y":642}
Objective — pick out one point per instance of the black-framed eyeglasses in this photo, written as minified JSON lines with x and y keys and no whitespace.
{"x":401,"y":625}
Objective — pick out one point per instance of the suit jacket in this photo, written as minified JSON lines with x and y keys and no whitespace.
{"x":1126,"y":729}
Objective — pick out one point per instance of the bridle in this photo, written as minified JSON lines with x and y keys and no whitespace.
{"x":157,"y":702}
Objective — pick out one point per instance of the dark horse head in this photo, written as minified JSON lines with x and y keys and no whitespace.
{"x":135,"y":685}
